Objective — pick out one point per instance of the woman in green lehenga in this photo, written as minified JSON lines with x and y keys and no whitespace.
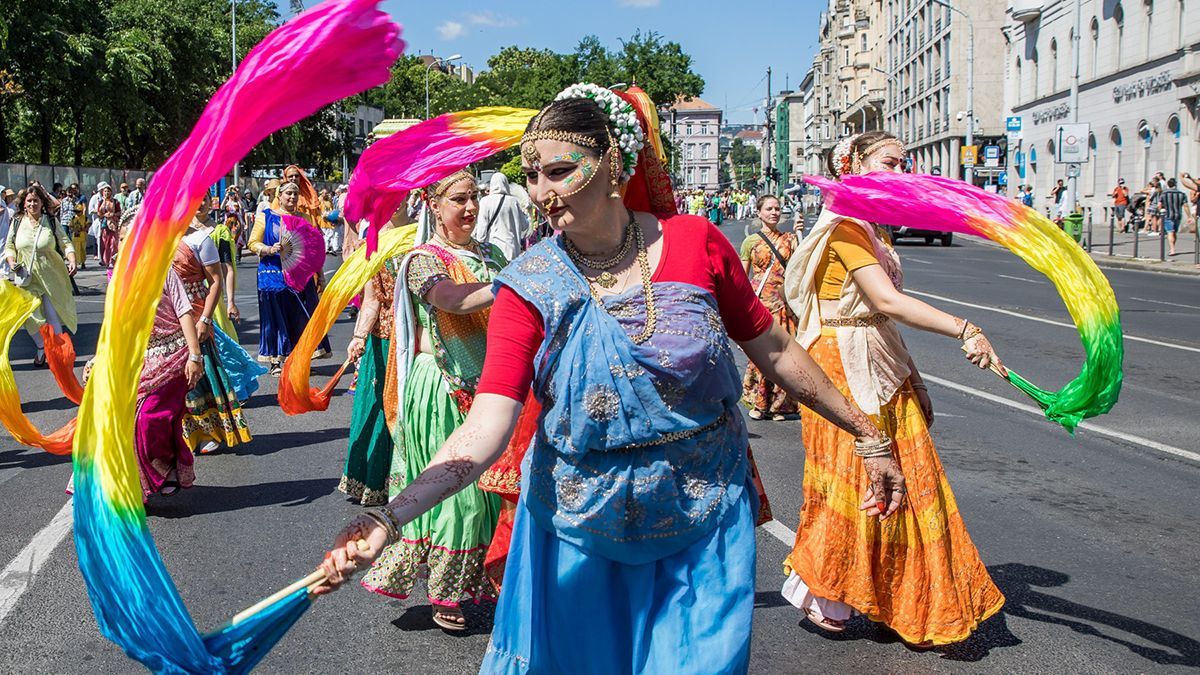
{"x":443,"y":297}
{"x":369,"y":458}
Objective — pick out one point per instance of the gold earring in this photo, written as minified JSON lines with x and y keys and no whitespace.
{"x":614,"y":168}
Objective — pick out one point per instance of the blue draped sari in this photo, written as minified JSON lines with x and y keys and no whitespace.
{"x":634,"y":508}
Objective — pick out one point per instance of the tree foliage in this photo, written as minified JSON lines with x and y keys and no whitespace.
{"x":121,"y":82}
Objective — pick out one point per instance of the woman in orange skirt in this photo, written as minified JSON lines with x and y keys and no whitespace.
{"x":917,"y":571}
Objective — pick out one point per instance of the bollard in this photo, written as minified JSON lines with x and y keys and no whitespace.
{"x":1091,"y":214}
{"x":1112,"y":228}
{"x":1196,"y":242}
{"x":1162,"y":246}
{"x":1136,"y":232}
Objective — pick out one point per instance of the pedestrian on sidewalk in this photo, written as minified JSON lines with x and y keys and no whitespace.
{"x":917,"y":572}
{"x":1153,"y":193}
{"x":1120,"y":195}
{"x":1193,"y":187}
{"x":1173,"y":201}
{"x":1027,"y":196}
{"x":1058,"y":192}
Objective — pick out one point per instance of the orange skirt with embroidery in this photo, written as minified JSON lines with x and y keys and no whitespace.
{"x":916,"y":572}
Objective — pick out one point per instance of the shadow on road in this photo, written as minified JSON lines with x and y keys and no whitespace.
{"x":480,"y":617}
{"x":30,"y":458}
{"x":1018,"y":583}
{"x":270,"y":443}
{"x":207,"y":499}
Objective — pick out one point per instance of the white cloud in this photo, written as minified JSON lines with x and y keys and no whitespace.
{"x":490,"y":19}
{"x":450,"y":30}
{"x":639,"y":3}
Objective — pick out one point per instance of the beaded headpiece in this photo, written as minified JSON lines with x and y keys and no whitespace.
{"x":443,"y":186}
{"x":625,"y":132}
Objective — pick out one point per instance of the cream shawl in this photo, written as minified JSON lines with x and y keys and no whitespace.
{"x":874,"y":357}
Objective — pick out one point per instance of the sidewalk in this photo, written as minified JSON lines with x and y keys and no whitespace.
{"x":1148,"y":251}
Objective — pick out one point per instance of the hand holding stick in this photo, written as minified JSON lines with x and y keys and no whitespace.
{"x":310,"y":582}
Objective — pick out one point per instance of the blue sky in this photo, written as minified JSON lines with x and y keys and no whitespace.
{"x":731,"y":43}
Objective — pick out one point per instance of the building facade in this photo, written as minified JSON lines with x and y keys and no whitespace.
{"x":927,"y":47}
{"x":696,"y":132}
{"x":1139,"y":85}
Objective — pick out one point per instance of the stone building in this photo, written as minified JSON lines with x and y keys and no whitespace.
{"x":1139,"y":85}
{"x":695,"y":131}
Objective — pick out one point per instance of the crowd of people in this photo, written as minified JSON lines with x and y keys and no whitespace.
{"x":557,"y":421}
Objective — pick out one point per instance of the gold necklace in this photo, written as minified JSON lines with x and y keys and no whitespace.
{"x":470,"y":246}
{"x":643,"y":260}
{"x":606,"y":279}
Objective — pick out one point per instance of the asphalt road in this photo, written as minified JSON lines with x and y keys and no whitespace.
{"x":1087,"y":536}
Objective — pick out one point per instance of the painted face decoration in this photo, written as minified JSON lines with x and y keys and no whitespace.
{"x":559,"y":169}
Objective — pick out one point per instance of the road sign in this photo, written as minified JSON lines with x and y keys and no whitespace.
{"x":1002,"y":178}
{"x":1071,"y":143}
{"x":1012,"y":124}
{"x":991,"y":155}
{"x":968,"y":155}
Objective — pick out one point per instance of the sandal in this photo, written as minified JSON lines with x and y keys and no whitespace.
{"x":756,"y":414}
{"x":169,"y":487}
{"x":827,"y":625}
{"x":39,"y":359}
{"x":445,"y":618}
{"x":778,"y":417}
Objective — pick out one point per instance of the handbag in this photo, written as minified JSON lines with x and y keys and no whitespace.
{"x":778,"y":257}
{"x":20,"y":275}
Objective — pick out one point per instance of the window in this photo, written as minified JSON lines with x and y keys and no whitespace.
{"x":863,"y":42}
{"x":862,"y":88}
{"x":1053,"y":65}
{"x":1095,"y":60}
{"x":704,"y":128}
{"x":690,"y":151}
{"x":704,"y":174}
{"x":1035,"y":69}
{"x":1180,"y":22}
{"x":845,"y":56}
{"x":689,"y":128}
{"x":946,"y":53}
{"x":691,"y":176}
{"x":1149,"y":27}
{"x":1119,"y":19}
{"x":704,"y":151}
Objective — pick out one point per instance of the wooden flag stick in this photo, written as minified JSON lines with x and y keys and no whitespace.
{"x":310,"y":581}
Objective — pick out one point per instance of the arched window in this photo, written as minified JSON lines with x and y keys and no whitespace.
{"x":1180,"y":23}
{"x":862,"y":88}
{"x":1090,"y":166}
{"x":1119,"y":18}
{"x":863,"y":43}
{"x":1053,"y":65}
{"x":1095,"y":51}
{"x":1149,"y":27}
{"x":1114,"y":137}
{"x":1176,"y":130}
{"x":1034,"y":61}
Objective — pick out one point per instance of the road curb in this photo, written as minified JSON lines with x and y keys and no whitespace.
{"x":1125,"y":263}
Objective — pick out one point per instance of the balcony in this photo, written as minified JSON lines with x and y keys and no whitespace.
{"x":1026,"y":11}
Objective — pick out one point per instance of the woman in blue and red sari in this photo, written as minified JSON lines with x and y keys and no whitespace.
{"x":637,"y":507}
{"x":283,"y":313}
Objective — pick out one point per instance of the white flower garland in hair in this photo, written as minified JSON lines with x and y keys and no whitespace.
{"x":622,"y":121}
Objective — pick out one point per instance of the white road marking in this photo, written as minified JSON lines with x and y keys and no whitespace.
{"x":1028,"y":281}
{"x":1064,"y":324}
{"x":917,"y":260}
{"x":1087,"y":426}
{"x":18,"y":576}
{"x":1170,"y":304}
{"x":780,"y":531}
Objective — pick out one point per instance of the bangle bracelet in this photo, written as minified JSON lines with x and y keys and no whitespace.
{"x":921,"y":386}
{"x":878,"y":447}
{"x":389,"y":531}
{"x":971,"y":331}
{"x":359,"y":337}
{"x":196,"y":358}
{"x":393,"y":523}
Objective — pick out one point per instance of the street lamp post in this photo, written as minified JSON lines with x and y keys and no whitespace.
{"x":233,"y":58}
{"x":427,"y":68}
{"x":969,"y":171}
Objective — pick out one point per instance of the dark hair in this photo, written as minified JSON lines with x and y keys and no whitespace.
{"x":41,"y":194}
{"x":1171,"y":182}
{"x":861,"y":142}
{"x":758,"y":201}
{"x":575,"y":115}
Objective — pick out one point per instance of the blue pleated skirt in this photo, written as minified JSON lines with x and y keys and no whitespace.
{"x":563,"y":610}
{"x":282,"y":315}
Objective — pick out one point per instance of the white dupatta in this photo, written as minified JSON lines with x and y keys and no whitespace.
{"x":874,"y":358}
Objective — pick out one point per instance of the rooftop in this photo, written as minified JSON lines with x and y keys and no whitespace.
{"x":696,"y":103}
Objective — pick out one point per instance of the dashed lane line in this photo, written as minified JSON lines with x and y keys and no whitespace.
{"x":1087,"y":426}
{"x":17,"y":577}
{"x":1051,"y":322}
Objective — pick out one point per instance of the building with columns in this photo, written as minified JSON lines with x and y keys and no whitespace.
{"x":1139,"y":90}
{"x":696,"y":132}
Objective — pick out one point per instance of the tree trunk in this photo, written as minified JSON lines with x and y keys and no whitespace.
{"x":77,"y":141}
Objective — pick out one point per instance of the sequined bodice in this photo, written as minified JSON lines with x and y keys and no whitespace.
{"x":641,"y":447}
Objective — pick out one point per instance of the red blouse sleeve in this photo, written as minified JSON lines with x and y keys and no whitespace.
{"x":515,"y":332}
{"x":744,"y":315}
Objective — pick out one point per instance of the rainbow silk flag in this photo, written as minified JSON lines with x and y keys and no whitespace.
{"x":295,"y":394}
{"x":948,"y":205}
{"x":426,"y":153}
{"x":333,"y":50}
